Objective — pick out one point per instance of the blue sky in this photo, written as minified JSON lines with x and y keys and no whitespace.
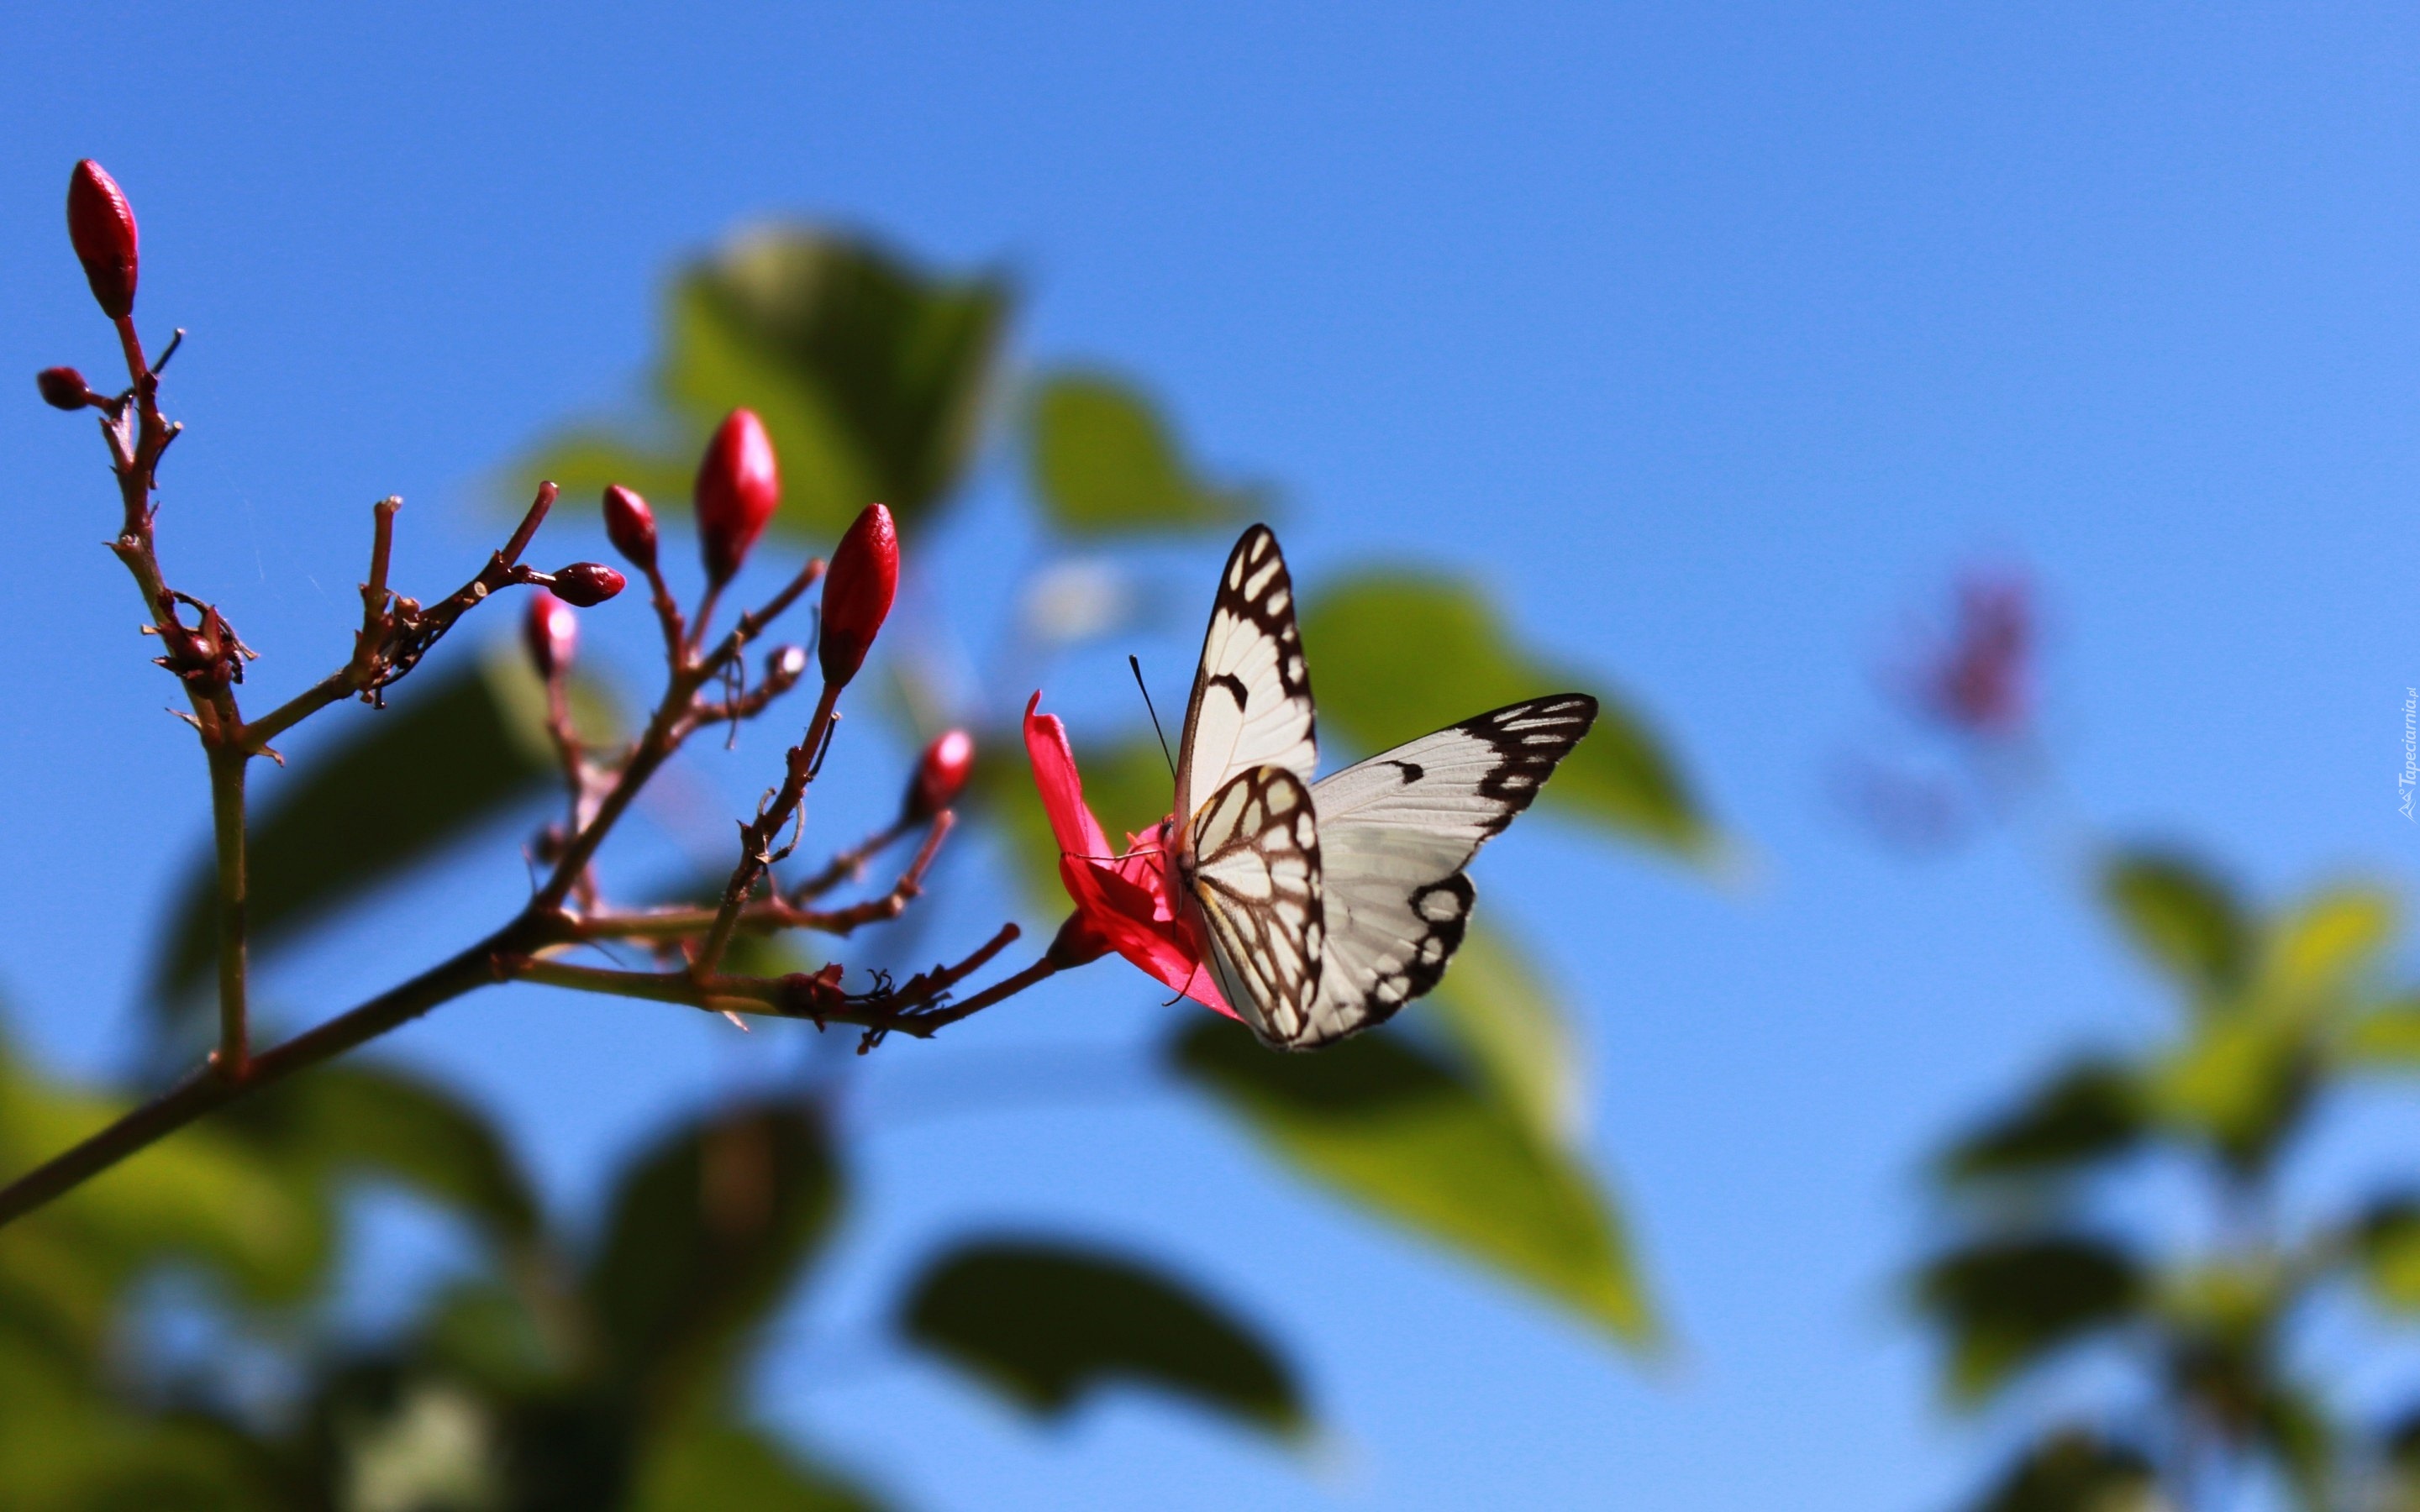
{"x":1713,"y":340}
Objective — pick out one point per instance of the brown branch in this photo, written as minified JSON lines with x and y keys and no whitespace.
{"x":848,"y":862}
{"x":774,"y":914}
{"x":396,"y":632}
{"x":671,"y":724}
{"x":757,"y":836}
{"x":205,"y":1092}
{"x":919,"y":1006}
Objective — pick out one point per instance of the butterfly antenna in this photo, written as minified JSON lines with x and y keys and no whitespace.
{"x":1136,"y":663}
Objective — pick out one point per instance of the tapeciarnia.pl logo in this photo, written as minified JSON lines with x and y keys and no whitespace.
{"x":2411,"y":773}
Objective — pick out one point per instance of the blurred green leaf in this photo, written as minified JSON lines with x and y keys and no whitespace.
{"x":870,"y":374}
{"x":353,"y":1120}
{"x":2386,"y":1035}
{"x":1395,"y":656}
{"x":2076,"y":1471}
{"x":1046,"y":1324}
{"x":2297,"y":1430}
{"x":2005,"y":1303}
{"x":2241,"y":1081}
{"x":2181,"y":916}
{"x":2088,"y":1113}
{"x":2386,"y":1242}
{"x":2320,"y":949}
{"x":728,"y":1467}
{"x":707,"y":1233}
{"x":1392,"y":1131}
{"x":1515,"y":1032}
{"x":460,"y":746}
{"x":582,"y":462}
{"x":1105,"y":462}
{"x":201,"y":1197}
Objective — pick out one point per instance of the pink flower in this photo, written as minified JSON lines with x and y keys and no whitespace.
{"x":1981,"y":681}
{"x":1129,"y":900}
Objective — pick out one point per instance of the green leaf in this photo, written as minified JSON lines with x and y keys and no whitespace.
{"x":871,"y":375}
{"x":707,"y":1233}
{"x":1377,"y":692}
{"x":2386,"y":1036}
{"x":2319,"y":952}
{"x":1514,"y":1033}
{"x":2386,"y":1242}
{"x":1104,"y":463}
{"x":2005,"y":1304}
{"x":2240,"y":1081}
{"x":201,"y":1197}
{"x":733,"y":1468}
{"x":460,"y":748}
{"x":1392,"y":1131}
{"x":2075,"y":1469}
{"x":1045,"y":1324}
{"x":2185,"y":919}
{"x":581,"y":462}
{"x":354,"y":1119}
{"x":2089,"y":1113}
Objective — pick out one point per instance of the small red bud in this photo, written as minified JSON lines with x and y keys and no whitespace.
{"x":586,"y":583}
{"x":738,"y":488}
{"x":551,"y":633}
{"x":630,"y":525}
{"x":941,"y":775}
{"x":63,"y":388}
{"x":101,"y":225}
{"x":857,"y":592}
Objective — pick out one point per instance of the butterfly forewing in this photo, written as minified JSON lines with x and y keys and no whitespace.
{"x":1251,"y":695}
{"x":1395,"y":832}
{"x":1256,"y":875}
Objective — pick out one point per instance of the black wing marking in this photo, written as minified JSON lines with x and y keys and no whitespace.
{"x":1256,"y":878}
{"x":1395,"y":833}
{"x":1251,"y":703}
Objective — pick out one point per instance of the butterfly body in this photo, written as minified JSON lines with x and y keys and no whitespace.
{"x":1324,"y":906}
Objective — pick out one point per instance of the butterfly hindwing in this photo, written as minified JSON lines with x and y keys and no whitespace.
{"x":1256,"y":878}
{"x":1396,"y":831}
{"x":1252,"y":695}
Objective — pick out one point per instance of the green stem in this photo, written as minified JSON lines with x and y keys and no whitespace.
{"x":227,"y":764}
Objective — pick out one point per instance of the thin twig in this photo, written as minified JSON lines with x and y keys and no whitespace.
{"x":757,"y":837}
{"x":776,"y":913}
{"x":918,"y":1006}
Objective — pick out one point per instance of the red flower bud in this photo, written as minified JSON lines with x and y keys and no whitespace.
{"x":101,"y":225}
{"x":630,"y":525}
{"x":738,"y":488}
{"x":586,"y":583}
{"x":551,"y":633}
{"x":941,"y":775}
{"x":857,"y":592}
{"x":63,"y":388}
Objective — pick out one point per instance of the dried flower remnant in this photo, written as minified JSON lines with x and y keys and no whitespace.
{"x":738,"y":488}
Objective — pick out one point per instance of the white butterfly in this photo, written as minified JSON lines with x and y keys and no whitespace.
{"x":1328,"y":905}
